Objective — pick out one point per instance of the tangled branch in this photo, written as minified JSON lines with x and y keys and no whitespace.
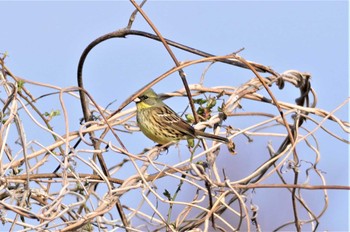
{"x":49,"y":182}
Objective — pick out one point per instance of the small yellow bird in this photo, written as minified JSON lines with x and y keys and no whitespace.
{"x":162,"y":125}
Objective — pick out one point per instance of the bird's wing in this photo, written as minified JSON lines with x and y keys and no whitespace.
{"x":170,"y":118}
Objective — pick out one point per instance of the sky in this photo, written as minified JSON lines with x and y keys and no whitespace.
{"x":44,"y":40}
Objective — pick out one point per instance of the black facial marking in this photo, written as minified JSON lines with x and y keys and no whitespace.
{"x":143,"y":97}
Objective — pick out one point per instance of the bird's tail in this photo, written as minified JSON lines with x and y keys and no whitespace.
{"x":211,"y":136}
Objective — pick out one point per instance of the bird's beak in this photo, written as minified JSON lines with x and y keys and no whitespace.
{"x":137,"y":100}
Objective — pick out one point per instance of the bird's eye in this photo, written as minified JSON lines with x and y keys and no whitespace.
{"x":143,"y":97}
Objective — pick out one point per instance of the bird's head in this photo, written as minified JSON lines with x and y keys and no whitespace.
{"x":148,"y":99}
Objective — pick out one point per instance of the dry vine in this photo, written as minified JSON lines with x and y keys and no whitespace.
{"x":50,"y":183}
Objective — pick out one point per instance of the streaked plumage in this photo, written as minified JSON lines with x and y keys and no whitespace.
{"x":161,"y":124}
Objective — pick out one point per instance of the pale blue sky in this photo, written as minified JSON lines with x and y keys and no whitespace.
{"x":44,"y":41}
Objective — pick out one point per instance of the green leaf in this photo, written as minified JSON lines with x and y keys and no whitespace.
{"x":200,"y":110}
{"x":190,"y":142}
{"x":199,"y":101}
{"x":189,"y":118}
{"x":211,"y":102}
{"x":20,"y":85}
{"x":52,"y":114}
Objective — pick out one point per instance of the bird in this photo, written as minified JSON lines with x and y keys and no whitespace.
{"x":162,"y":125}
